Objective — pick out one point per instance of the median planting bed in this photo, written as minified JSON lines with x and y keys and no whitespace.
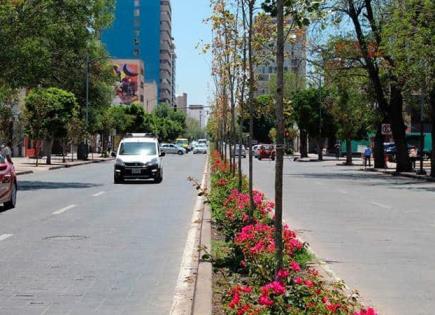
{"x":245,"y":280}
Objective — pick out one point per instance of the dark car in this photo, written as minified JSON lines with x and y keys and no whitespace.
{"x":8,"y":183}
{"x":267,"y":152}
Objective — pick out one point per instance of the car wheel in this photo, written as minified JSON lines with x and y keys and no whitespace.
{"x":118,"y":180}
{"x":180,"y":152}
{"x":13,"y":201}
{"x":159,"y":178}
{"x":273,"y":158}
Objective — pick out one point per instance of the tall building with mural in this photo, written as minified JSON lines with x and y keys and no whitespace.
{"x":142,"y":30}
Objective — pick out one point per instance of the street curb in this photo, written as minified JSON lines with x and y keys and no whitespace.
{"x":58,"y":167}
{"x":407,"y":175}
{"x":203,"y":298}
{"x":185,"y":289}
{"x":23,"y":173}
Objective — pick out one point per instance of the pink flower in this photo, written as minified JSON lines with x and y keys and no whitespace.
{"x":235,"y":300}
{"x":309,"y":283}
{"x":282,"y":273}
{"x":295,"y":266}
{"x":265,"y":300}
{"x":333,"y":307}
{"x":369,"y":311}
{"x":277,"y":287}
{"x":298,"y":280}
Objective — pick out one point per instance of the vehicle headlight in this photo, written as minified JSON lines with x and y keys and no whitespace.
{"x":119,"y":162}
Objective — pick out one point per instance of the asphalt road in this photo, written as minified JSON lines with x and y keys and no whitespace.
{"x":78,"y":244}
{"x":375,"y":231}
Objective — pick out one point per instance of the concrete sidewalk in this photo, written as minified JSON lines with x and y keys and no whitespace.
{"x":358,"y":162}
{"x":24,"y":165}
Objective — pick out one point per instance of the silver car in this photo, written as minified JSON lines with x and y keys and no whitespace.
{"x":170,"y":148}
{"x":200,"y":148}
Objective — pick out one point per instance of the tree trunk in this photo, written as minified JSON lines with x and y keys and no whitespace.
{"x":432,"y":106}
{"x":48,"y":146}
{"x":303,"y":149}
{"x":251,"y":105}
{"x":349,"y":151}
{"x":399,"y":129}
{"x":279,"y":165}
{"x":378,"y":151}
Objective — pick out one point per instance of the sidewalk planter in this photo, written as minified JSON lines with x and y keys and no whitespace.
{"x":243,"y":259}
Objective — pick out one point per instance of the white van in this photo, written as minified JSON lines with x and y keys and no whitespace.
{"x":138,"y":157}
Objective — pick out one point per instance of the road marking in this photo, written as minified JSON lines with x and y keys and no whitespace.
{"x":5,"y":236}
{"x":380,"y":205}
{"x":184,"y":290}
{"x":99,"y":194}
{"x":341,"y":191}
{"x":64,"y":209}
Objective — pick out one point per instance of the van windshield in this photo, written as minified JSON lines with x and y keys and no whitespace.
{"x":138,"y":148}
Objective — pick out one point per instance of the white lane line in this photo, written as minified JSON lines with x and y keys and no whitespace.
{"x":380,"y":205}
{"x":341,"y":191}
{"x":5,"y":236}
{"x":64,"y":209}
{"x":99,"y":194}
{"x":182,"y":303}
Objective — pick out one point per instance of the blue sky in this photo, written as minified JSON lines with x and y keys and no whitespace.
{"x":193,"y":68}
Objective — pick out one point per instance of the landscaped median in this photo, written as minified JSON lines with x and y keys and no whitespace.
{"x":244,"y":277}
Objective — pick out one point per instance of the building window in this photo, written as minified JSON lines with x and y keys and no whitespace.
{"x":141,"y":98}
{"x":136,"y":52}
{"x":136,"y":12}
{"x":136,"y":3}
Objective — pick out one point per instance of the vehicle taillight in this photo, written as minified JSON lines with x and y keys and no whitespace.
{"x":3,"y":167}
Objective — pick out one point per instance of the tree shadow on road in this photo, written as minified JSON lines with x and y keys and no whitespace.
{"x":370,"y":179}
{"x":27,"y":185}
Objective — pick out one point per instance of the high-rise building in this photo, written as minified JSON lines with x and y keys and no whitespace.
{"x":294,"y":60}
{"x":142,"y":29}
{"x":181,"y":102}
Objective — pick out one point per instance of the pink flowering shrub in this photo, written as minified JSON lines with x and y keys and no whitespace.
{"x":296,"y":289}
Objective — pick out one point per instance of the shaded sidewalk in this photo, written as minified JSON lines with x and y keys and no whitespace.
{"x":24,"y":165}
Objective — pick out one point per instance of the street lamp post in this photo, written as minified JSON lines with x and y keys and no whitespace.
{"x":421,"y":171}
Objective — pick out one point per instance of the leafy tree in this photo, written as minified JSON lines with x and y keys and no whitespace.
{"x":47,"y":113}
{"x":193,"y":129}
{"x":409,"y":38}
{"x":312,"y":115}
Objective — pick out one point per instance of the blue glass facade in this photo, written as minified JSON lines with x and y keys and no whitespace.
{"x":135,"y":34}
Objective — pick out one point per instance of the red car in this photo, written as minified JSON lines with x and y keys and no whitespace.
{"x":267,"y":152}
{"x":8,"y":183}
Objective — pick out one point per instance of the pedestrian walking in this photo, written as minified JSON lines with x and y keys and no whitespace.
{"x":337,"y":150}
{"x":367,"y":155}
{"x":413,"y":156}
{"x":7,"y":152}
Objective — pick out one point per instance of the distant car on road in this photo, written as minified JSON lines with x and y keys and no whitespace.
{"x":202,"y":141}
{"x":266,"y":151}
{"x":200,"y":148}
{"x":138,"y":157}
{"x":170,"y":148}
{"x":8,"y":183}
{"x":184,"y":143}
{"x":240,"y":151}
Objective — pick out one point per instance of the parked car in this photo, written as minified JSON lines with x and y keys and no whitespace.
{"x":170,"y":148}
{"x":8,"y":184}
{"x":256,"y":150}
{"x":240,"y":151}
{"x":138,"y":157}
{"x":267,"y":151}
{"x":200,"y":148}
